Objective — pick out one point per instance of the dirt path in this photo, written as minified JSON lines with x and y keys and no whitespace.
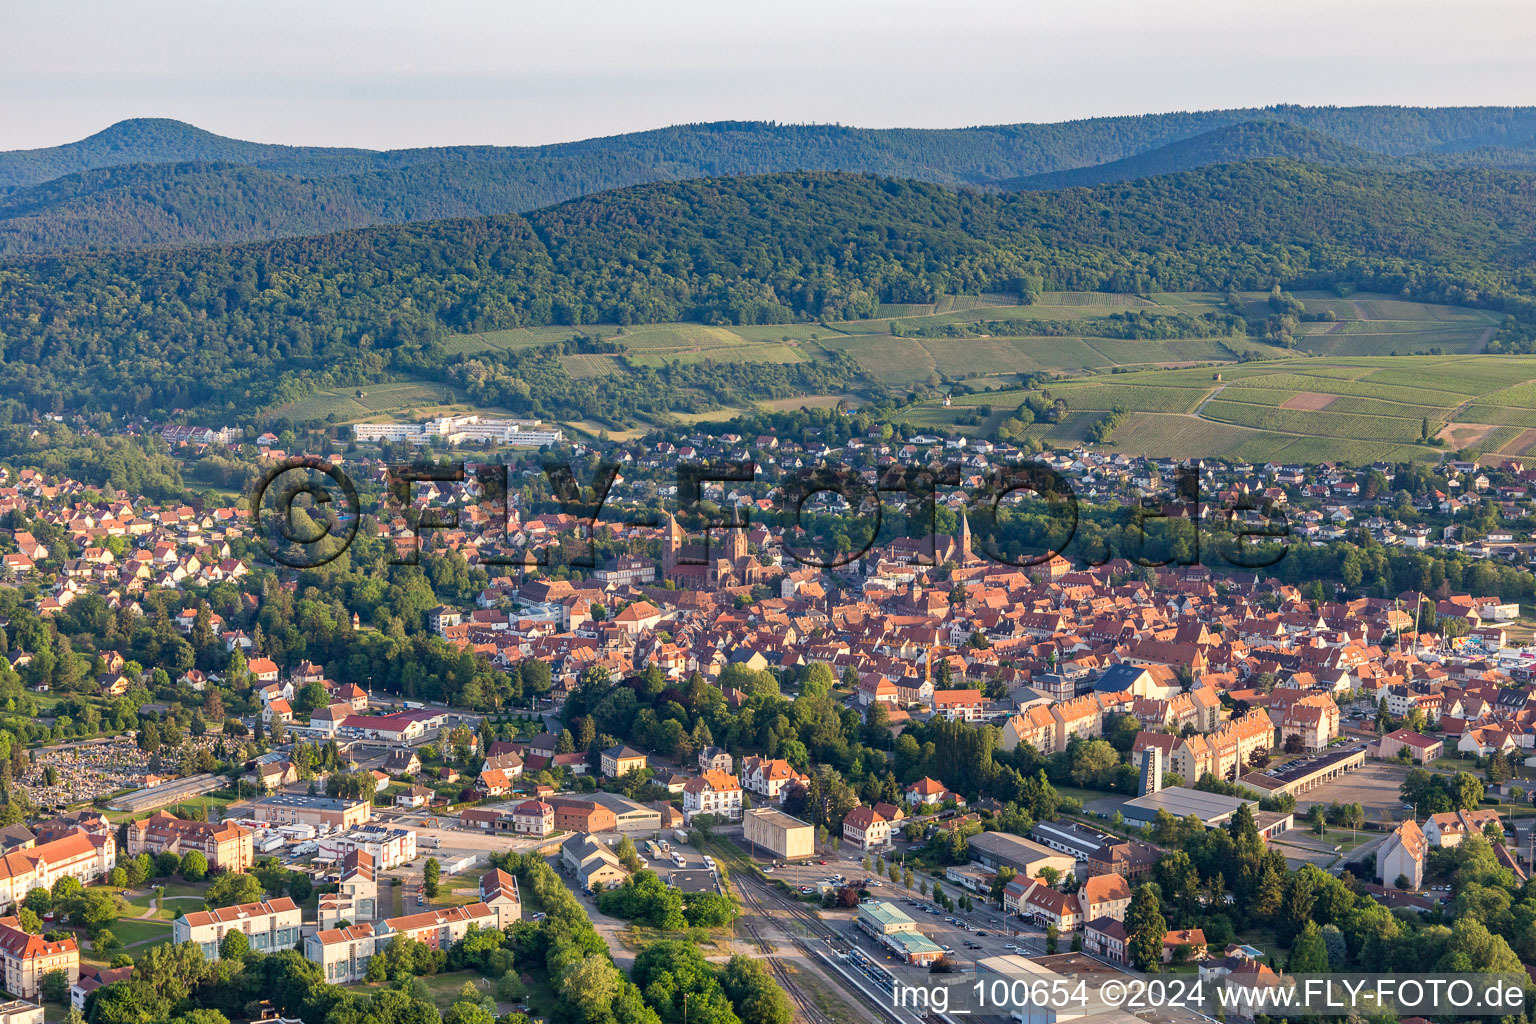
{"x":1481,"y":344}
{"x":1199,"y":409}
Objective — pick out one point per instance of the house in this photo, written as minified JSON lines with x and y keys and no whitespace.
{"x":1103,"y":896}
{"x":867,"y":829}
{"x":926,"y":792}
{"x":438,"y":929}
{"x":1038,"y":902}
{"x":533,"y":818}
{"x":498,"y":890}
{"x":616,"y":762}
{"x":92,"y":978}
{"x":592,"y":863}
{"x":402,"y":761}
{"x":714,"y":792}
{"x":769,"y":778}
{"x":493,"y":782}
{"x":715,"y":759}
{"x":1451,"y":827}
{"x":1402,"y":855}
{"x":959,"y":705}
{"x":415,"y":796}
{"x":1183,"y":944}
{"x":26,"y":958}
{"x":1106,"y":937}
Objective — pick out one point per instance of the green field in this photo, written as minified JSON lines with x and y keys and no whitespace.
{"x":1350,"y":388}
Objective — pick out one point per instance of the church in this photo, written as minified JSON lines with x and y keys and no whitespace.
{"x":936,"y":549}
{"x":698,"y":567}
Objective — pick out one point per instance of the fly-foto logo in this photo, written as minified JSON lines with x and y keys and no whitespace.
{"x":312,"y":533}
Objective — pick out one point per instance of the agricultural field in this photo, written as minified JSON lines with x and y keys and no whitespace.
{"x":374,"y":402}
{"x":1349,"y":385}
{"x":1297,"y":409}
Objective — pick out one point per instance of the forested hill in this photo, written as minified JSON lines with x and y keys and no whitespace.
{"x":237,"y":327}
{"x":1256,"y":140}
{"x":163,"y":182}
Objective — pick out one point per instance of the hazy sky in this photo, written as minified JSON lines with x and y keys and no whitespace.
{"x":390,"y":73}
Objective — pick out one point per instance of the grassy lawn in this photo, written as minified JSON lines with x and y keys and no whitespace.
{"x":129,"y":931}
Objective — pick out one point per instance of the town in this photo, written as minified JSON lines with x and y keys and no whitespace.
{"x":922,"y":758}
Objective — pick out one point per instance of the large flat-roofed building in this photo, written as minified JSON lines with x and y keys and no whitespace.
{"x":1213,"y":809}
{"x":227,"y":846}
{"x":300,"y":809}
{"x":456,"y":430}
{"x":269,"y":926}
{"x":1003,"y":850}
{"x":1073,"y":838}
{"x":778,"y":834}
{"x":19,"y":1011}
{"x":628,"y":815}
{"x":1038,"y":974}
{"x":388,"y":848}
{"x":1298,"y":777}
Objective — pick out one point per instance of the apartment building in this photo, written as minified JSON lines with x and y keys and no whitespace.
{"x":26,"y":958}
{"x":269,"y":925}
{"x":83,"y":856}
{"x":227,"y":846}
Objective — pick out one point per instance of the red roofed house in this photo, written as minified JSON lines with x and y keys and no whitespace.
{"x":867,"y":829}
{"x":26,"y":958}
{"x":959,"y":705}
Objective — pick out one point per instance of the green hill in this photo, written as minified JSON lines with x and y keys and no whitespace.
{"x":254,"y":325}
{"x":163,"y":182}
{"x":1232,"y":144}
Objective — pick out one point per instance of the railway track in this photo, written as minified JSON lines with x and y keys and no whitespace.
{"x":806,"y":1008}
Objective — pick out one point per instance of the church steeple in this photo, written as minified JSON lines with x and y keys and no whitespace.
{"x":965,"y":538}
{"x":671,"y":543}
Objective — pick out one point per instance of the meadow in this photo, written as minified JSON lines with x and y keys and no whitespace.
{"x":1350,"y":388}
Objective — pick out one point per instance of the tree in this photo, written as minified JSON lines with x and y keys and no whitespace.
{"x":54,"y":986}
{"x":232,"y":888}
{"x":194,"y":866}
{"x":30,"y":922}
{"x":1145,"y":928}
{"x":1309,"y":954}
{"x":431,"y":874}
{"x":166,"y":865}
{"x":234,"y":946}
{"x":754,"y":994}
{"x":468,"y":1013}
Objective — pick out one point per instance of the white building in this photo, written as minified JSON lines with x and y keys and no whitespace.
{"x":269,"y":926}
{"x":389,"y":848}
{"x":455,"y":430}
{"x":713,"y":792}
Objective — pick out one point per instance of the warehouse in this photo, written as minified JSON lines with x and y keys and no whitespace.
{"x":1001,"y":850}
{"x":777,"y":834}
{"x":1213,"y":809}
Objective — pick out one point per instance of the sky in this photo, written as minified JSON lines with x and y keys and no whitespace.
{"x":389,"y":73}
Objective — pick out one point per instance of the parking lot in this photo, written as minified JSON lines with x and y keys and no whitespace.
{"x":1374,"y":785}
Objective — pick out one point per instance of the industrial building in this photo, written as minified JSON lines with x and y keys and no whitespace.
{"x":778,"y":834}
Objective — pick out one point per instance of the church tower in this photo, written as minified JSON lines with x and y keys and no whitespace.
{"x":736,"y":547}
{"x":671,"y":544}
{"x":965,"y":539}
